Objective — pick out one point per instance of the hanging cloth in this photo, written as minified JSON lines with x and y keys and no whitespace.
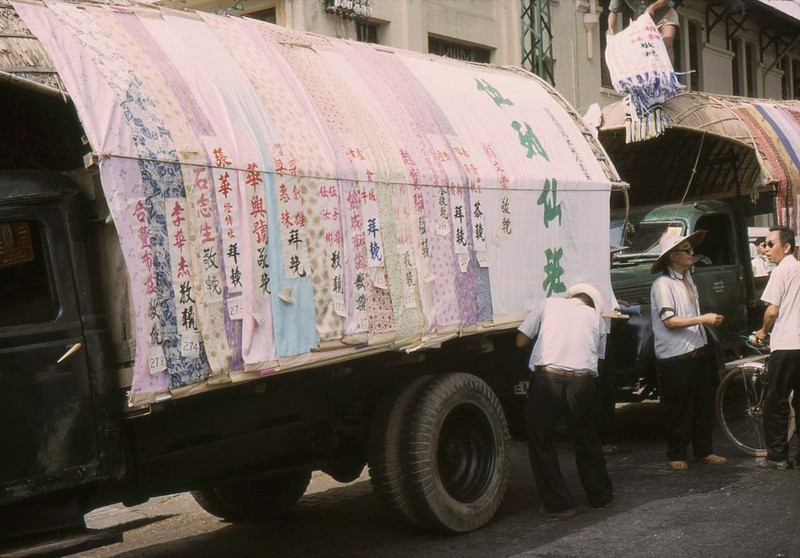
{"x":640,"y":68}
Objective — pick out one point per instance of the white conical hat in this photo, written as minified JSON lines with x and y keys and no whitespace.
{"x":669,"y":241}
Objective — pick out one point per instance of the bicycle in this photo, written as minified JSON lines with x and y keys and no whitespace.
{"x":739,"y":401}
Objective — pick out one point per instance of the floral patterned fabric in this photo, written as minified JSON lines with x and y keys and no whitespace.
{"x":282,"y":199}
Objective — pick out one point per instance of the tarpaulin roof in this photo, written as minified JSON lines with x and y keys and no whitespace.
{"x":718,"y":146}
{"x":285,"y":199}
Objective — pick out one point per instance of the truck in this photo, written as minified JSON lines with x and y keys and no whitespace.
{"x":723,"y":274}
{"x":724,"y":165}
{"x":232,"y":254}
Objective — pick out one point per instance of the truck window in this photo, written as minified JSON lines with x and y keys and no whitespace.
{"x":644,"y":238}
{"x":717,"y":245}
{"x":27,"y":295}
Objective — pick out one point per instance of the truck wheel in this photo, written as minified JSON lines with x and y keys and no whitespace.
{"x":262,"y":498}
{"x":385,"y":446}
{"x":210,"y":502}
{"x":457,"y":457}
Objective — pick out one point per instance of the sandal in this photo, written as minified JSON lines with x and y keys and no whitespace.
{"x":712,"y":459}
{"x":767,"y":463}
{"x":677,"y":465}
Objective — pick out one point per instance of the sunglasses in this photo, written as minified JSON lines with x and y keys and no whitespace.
{"x":768,"y":244}
{"x":685,"y":250}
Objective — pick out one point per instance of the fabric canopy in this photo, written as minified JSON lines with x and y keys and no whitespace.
{"x":718,"y":147}
{"x":285,"y":199}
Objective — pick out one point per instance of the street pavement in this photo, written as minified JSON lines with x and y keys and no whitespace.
{"x":708,"y":511}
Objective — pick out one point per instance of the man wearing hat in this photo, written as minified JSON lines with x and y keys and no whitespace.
{"x":682,"y":360}
{"x":570,"y":338}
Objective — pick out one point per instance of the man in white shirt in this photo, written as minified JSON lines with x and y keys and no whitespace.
{"x":685,"y":383}
{"x":782,"y":316}
{"x":570,"y":338}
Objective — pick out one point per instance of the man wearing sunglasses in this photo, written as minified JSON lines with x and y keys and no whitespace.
{"x":682,"y":359}
{"x":762,"y":266}
{"x":782,"y":316}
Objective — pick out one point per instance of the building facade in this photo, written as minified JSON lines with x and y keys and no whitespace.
{"x":745,"y":47}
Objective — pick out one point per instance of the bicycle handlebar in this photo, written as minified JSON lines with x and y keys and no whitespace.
{"x":752,"y":342}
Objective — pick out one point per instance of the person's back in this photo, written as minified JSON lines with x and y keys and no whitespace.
{"x":567,"y":324}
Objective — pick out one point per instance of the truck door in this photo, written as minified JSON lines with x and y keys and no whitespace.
{"x":720,"y":279}
{"x":48,"y":438}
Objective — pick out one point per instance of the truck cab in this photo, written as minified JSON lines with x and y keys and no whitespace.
{"x":722,"y":272}
{"x":54,"y":350}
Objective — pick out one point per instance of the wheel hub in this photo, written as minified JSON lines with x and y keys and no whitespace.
{"x":466,"y":453}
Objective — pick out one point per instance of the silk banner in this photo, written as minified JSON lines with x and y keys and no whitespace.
{"x":284,"y":200}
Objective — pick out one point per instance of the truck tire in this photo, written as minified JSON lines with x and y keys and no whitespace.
{"x":385,"y":447}
{"x":210,"y":502}
{"x":457,"y":454}
{"x":259,"y":499}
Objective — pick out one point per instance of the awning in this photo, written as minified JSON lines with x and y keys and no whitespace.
{"x":786,"y":8}
{"x":23,"y":60}
{"x":717,"y":147}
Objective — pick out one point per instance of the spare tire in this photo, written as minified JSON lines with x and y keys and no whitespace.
{"x":385,"y":447}
{"x":456,"y":460}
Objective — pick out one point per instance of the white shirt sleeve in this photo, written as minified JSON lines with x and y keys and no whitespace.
{"x":530,"y":326}
{"x":662,"y":299}
{"x":773,"y":292}
{"x":602,"y":337}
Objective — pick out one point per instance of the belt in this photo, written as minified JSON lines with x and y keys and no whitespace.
{"x":564,"y":373}
{"x":685,"y":356}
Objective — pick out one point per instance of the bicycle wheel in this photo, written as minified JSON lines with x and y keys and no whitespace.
{"x":740,"y":408}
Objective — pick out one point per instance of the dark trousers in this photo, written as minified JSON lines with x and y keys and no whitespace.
{"x":784,"y":376}
{"x":550,"y":397}
{"x":607,"y":399}
{"x":687,"y":400}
